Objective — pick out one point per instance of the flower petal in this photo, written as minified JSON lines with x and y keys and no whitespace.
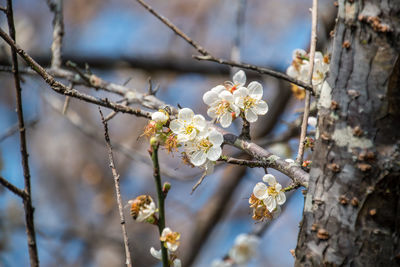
{"x":218,"y":89}
{"x":278,"y":187}
{"x":226,"y":95}
{"x":156,"y":253}
{"x":269,"y":179}
{"x":260,"y":191}
{"x":199,"y":122}
{"x":225,"y":120}
{"x":250,"y":115}
{"x":176,"y":126}
{"x":292,"y":72}
{"x":181,"y":138}
{"x":210,"y":97}
{"x":177,"y":263}
{"x":214,"y":153}
{"x":270,"y":202}
{"x":211,"y":113}
{"x":215,"y":138}
{"x":239,"y":78}
{"x":185,"y":114}
{"x":281,"y":198}
{"x":240,"y":92}
{"x":298,"y":53}
{"x":198,"y":158}
{"x":261,"y":107}
{"x":255,"y":90}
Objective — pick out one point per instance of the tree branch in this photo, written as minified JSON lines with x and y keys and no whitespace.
{"x":243,"y":162}
{"x":13,"y":188}
{"x":27,"y":200}
{"x":209,"y":57}
{"x":303,"y":133}
{"x":117,"y":191}
{"x":56,"y":7}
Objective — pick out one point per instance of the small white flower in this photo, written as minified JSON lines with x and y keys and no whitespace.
{"x":160,"y":117}
{"x":220,"y":263}
{"x":156,"y":253}
{"x":275,"y":194}
{"x":142,"y":208}
{"x":188,"y":125}
{"x":147,"y":211}
{"x":244,"y":249}
{"x":170,"y":239}
{"x":312,"y":121}
{"x":239,"y":80}
{"x":206,"y":146}
{"x":221,"y":105}
{"x":249,"y":100}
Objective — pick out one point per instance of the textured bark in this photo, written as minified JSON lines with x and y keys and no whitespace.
{"x":352,"y":207}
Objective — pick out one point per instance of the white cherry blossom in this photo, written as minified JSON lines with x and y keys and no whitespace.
{"x":206,"y":146}
{"x":244,"y":249}
{"x":221,"y":105}
{"x":249,"y":100}
{"x":170,"y":239}
{"x":187,"y":125}
{"x":239,"y":80}
{"x":160,"y":117}
{"x":275,"y":194}
{"x":158,"y":255}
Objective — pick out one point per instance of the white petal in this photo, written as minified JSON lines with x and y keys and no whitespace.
{"x":292,"y":72}
{"x":208,"y":167}
{"x":211,"y":112}
{"x":226,"y":120}
{"x":239,"y":102}
{"x":312,"y":121}
{"x":177,"y":263}
{"x":172,"y":247}
{"x":318,"y":56}
{"x":210,"y":97}
{"x":159,"y":116}
{"x":226,"y":95}
{"x":260,"y":191}
{"x":198,"y":158}
{"x":214,"y":153}
{"x":235,"y":109}
{"x":239,"y":78}
{"x":199,"y":122}
{"x":175,"y":126}
{"x":218,"y":89}
{"x":278,"y":187}
{"x":185,"y":114}
{"x":255,"y":90}
{"x":215,"y":138}
{"x":250,"y":115}
{"x":156,"y":253}
{"x":182,"y":138}
{"x":269,"y":179}
{"x":270,"y":202}
{"x":281,"y":198}
{"x":192,"y":135}
{"x":240,"y":92}
{"x":166,"y":231}
{"x":261,"y":107}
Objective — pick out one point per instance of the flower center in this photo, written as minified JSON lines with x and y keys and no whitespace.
{"x":189,"y":129}
{"x":249,"y":102}
{"x":204,"y":144}
{"x":172,"y":238}
{"x":272,"y":191}
{"x":222,"y":107}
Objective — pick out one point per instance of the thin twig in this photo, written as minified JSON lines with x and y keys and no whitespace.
{"x":63,"y":89}
{"x":29,"y":220}
{"x":205,"y":55}
{"x":19,"y":192}
{"x":2,"y":8}
{"x":117,"y":191}
{"x":243,"y":162}
{"x":15,"y":128}
{"x":56,"y":6}
{"x":160,"y":195}
{"x":303,"y":133}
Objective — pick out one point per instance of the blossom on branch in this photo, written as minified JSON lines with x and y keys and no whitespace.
{"x":170,"y":239}
{"x":174,"y":261}
{"x":271,"y":195}
{"x":143,"y":208}
{"x":188,"y":125}
{"x":244,"y":249}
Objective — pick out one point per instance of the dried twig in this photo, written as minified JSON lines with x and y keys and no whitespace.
{"x":19,"y":192}
{"x":117,"y":191}
{"x":56,"y":6}
{"x":27,"y":200}
{"x":303,"y":133}
{"x":15,"y":128}
{"x":205,"y":55}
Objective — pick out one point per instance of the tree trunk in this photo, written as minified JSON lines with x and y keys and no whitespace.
{"x":352,"y":207}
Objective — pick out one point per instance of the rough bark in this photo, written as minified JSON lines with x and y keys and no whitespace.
{"x":352,"y":207}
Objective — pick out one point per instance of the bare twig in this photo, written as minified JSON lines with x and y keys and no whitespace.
{"x":161,"y":197}
{"x":56,"y":6}
{"x":243,"y":162}
{"x":2,"y":8}
{"x":29,"y":220}
{"x":201,"y":179}
{"x":15,"y":128}
{"x":303,"y":133}
{"x":205,"y":55}
{"x":117,"y":190}
{"x":63,"y":89}
{"x":19,"y":192}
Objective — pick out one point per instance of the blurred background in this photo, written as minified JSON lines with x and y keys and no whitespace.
{"x":73,"y":191}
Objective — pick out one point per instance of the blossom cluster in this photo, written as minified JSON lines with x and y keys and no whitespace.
{"x":266,"y":199}
{"x":243,"y":250}
{"x":171,"y":242}
{"x":227,"y":102}
{"x":300,"y":67}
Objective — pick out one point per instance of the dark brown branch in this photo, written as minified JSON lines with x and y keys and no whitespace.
{"x":243,"y":162}
{"x":13,"y":188}
{"x":63,"y":89}
{"x":207,"y":55}
{"x":117,"y":191}
{"x":29,"y":220}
